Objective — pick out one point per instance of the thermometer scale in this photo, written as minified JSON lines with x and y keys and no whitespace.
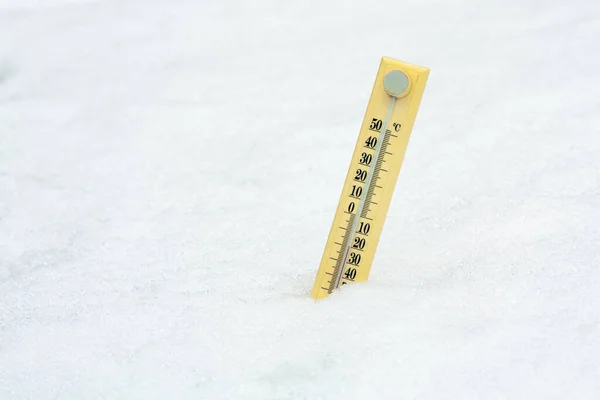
{"x":372,"y":176}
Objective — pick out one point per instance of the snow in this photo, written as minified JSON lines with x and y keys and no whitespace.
{"x":169,"y":171}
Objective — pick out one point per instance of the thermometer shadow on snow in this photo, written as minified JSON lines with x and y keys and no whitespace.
{"x":372,"y":176}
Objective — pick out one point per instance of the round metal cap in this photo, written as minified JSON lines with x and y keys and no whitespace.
{"x":396,"y":83}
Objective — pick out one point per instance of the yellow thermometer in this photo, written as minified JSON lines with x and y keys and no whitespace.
{"x":372,"y":176}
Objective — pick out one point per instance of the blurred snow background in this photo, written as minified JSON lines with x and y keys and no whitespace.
{"x":169,"y":171}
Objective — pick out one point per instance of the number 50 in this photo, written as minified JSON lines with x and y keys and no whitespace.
{"x":375,"y":124}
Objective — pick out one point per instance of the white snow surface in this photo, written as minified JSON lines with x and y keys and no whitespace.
{"x":169,"y":171}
